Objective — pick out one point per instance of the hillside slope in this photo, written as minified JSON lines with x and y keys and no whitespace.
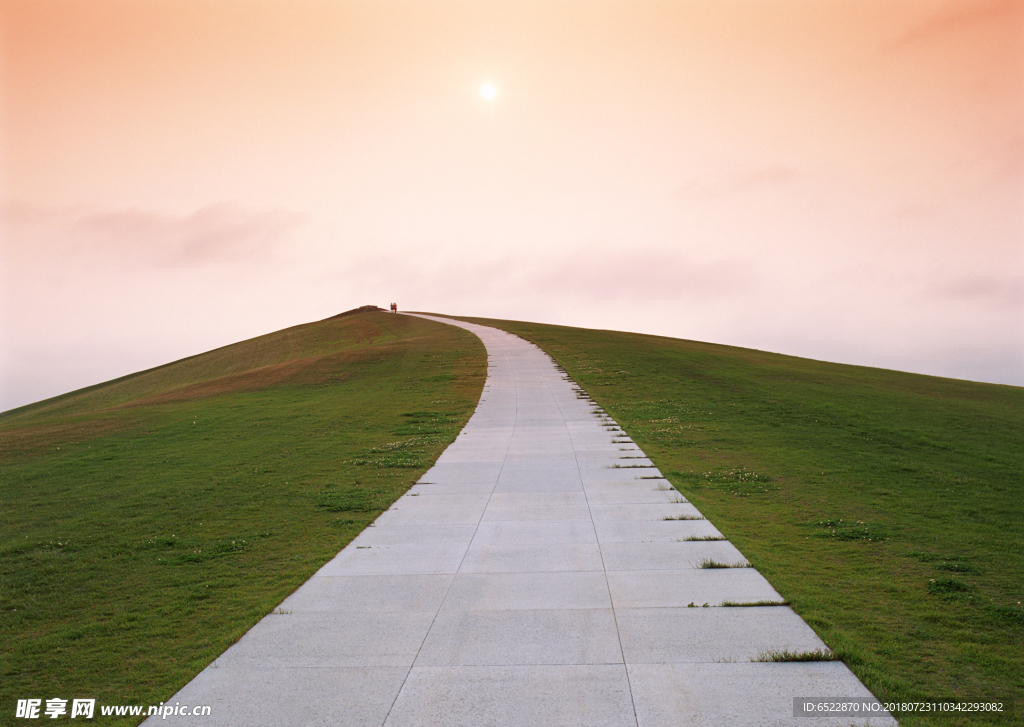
{"x":150,"y":521}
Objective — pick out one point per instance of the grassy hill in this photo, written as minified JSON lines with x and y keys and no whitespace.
{"x":886,"y":507}
{"x":148,"y":522}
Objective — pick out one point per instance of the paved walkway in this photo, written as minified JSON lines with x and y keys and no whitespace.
{"x":541,"y":573}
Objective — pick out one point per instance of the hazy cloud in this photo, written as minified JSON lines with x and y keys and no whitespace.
{"x":955,"y":17}
{"x":1002,"y":292}
{"x":1011,"y":160}
{"x":579,"y":276}
{"x":218,"y":234}
{"x":740,"y":182}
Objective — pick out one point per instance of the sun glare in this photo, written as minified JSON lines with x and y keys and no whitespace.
{"x":488,"y":91}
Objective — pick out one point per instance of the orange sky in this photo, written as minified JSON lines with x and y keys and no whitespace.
{"x":836,"y":179}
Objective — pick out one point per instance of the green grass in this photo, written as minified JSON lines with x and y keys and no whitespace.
{"x":149,"y":522}
{"x":886,"y":507}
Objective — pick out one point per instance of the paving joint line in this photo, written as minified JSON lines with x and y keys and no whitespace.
{"x":600,"y":551}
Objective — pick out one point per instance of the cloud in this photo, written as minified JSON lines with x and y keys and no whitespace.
{"x":955,"y":17}
{"x":220,"y":234}
{"x":741,"y":182}
{"x":644,"y":274}
{"x":1010,"y":161}
{"x":582,"y":275}
{"x":1004,"y":292}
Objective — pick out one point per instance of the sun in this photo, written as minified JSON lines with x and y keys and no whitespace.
{"x":488,"y":91}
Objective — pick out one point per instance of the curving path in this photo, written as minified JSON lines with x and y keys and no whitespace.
{"x":541,"y":573}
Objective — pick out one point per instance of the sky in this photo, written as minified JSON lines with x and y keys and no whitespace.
{"x":836,"y":179}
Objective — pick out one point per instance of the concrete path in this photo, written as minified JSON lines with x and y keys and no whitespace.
{"x":541,"y":573}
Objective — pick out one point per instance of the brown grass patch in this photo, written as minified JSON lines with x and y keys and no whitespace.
{"x":33,"y":439}
{"x":328,"y":369}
